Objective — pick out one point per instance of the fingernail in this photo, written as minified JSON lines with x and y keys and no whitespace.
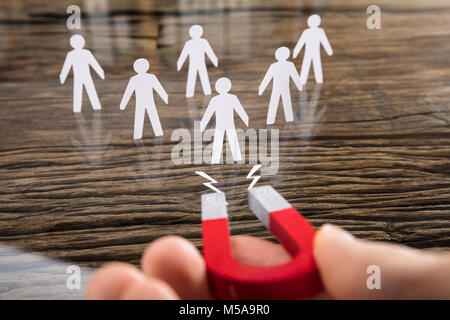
{"x":335,"y":231}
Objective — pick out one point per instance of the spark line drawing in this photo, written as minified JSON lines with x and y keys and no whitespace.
{"x":255,"y":168}
{"x":209,"y":184}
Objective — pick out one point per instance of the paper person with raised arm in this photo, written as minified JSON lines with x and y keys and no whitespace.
{"x":223,"y":106}
{"x":80,"y":60}
{"x":143,"y":85}
{"x":195,"y":49}
{"x":281,"y":72}
{"x":312,"y":38}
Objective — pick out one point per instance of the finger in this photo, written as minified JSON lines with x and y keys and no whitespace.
{"x":111,"y":281}
{"x":177,"y":262}
{"x":405,"y":273}
{"x":258,"y":252}
{"x":150,"y":289}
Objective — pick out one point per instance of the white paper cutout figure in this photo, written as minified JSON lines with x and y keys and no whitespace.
{"x":80,"y":60}
{"x":281,"y":72}
{"x":143,"y":84}
{"x":196,"y":48}
{"x":223,"y":106}
{"x":312,"y":38}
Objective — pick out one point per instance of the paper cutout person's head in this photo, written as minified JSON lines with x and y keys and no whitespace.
{"x":196,"y":31}
{"x":141,"y":65}
{"x":223,"y":85}
{"x":282,"y":53}
{"x":314,"y":21}
{"x":77,"y":41}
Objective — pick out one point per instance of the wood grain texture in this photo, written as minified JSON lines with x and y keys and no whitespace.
{"x":26,"y":275}
{"x":371,"y":153}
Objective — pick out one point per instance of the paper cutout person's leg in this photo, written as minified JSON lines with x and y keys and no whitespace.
{"x":305,"y":68}
{"x":77,"y":95}
{"x":139,"y":122}
{"x":192,"y":78}
{"x":154,"y":120}
{"x":287,"y":106}
{"x":317,"y":64}
{"x":217,"y":146}
{"x":92,"y":93}
{"x":203,"y":73}
{"x":234,"y":145}
{"x":273,"y":106}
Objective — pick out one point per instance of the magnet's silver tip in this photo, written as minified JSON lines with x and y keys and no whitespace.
{"x":263,"y":200}
{"x":214,"y":206}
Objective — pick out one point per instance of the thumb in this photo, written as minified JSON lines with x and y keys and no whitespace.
{"x":404,"y":273}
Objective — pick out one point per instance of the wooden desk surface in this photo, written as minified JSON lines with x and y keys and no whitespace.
{"x":369,"y":150}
